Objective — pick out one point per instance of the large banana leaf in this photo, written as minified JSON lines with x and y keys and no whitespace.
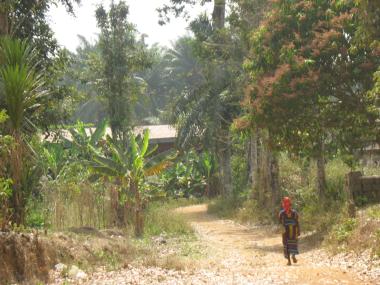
{"x":145,"y":143}
{"x":102,"y":169}
{"x":110,"y":163}
{"x":159,"y":162}
{"x":99,"y":132}
{"x":118,"y":151}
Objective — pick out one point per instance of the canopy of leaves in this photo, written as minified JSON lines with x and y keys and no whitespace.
{"x":123,"y":56}
{"x":308,"y":83}
{"x":21,"y":83}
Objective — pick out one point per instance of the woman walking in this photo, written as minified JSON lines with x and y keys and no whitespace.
{"x":289,"y":219}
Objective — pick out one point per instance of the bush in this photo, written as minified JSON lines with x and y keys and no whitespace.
{"x":225,"y":207}
{"x":161,"y":218}
{"x":252,"y":212}
{"x":374,"y":212}
{"x":343,"y":231}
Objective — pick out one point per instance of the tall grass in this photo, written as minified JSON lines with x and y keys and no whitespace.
{"x":161,"y":218}
{"x":61,"y":205}
{"x":66,"y":205}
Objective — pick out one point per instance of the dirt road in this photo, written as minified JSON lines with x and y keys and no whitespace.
{"x":257,"y":254}
{"x":240,"y":255}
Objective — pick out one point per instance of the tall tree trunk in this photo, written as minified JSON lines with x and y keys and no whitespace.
{"x":120,"y":210}
{"x":305,"y":169}
{"x":225,"y":163}
{"x":266,"y":186}
{"x":219,"y":14}
{"x":118,"y":204}
{"x":139,"y":224}
{"x":274,"y":174}
{"x":228,"y":170}
{"x":4,"y":22}
{"x":321,"y":175}
{"x":223,"y":148}
{"x":260,"y":174}
{"x":16,"y":164}
{"x":253,"y":160}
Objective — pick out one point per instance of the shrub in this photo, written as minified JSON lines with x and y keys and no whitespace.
{"x":251,"y":212}
{"x":224,"y":207}
{"x":374,"y":212}
{"x":341,"y":232}
{"x":161,"y":218}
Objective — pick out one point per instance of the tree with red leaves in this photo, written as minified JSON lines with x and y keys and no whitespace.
{"x":309,"y":82}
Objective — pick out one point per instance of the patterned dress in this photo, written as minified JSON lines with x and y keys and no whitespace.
{"x":291,"y":232}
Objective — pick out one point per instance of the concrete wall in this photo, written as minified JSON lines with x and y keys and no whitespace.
{"x":361,"y":188}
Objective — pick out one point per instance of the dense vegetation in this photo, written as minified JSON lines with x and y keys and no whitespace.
{"x":271,"y":98}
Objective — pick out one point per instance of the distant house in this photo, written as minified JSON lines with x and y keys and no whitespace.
{"x":370,"y":155}
{"x":164,"y":136}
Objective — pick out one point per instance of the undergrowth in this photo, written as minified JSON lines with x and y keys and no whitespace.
{"x":361,"y":233}
{"x":167,"y":228}
{"x":162,"y":218}
{"x":322,"y":218}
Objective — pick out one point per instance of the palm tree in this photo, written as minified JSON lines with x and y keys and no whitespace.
{"x":207,"y":101}
{"x":21,"y":84}
{"x":129,"y":166}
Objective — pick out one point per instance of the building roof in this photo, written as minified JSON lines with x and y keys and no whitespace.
{"x":372,"y":147}
{"x":157,"y":133}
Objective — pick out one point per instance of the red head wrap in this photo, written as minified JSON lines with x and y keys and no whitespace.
{"x":286,"y":204}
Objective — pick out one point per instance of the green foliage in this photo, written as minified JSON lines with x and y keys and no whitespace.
{"x":358,"y":234}
{"x":36,"y":214}
{"x":3,"y":116}
{"x":111,"y":259}
{"x":22,"y":84}
{"x":85,"y":139}
{"x":122,"y":57}
{"x":129,"y":167}
{"x":190,"y":176}
{"x":132,"y":163}
{"x":225,"y":208}
{"x":343,"y":231}
{"x":300,"y":89}
{"x":5,"y":192}
{"x":161,"y":218}
{"x":239,"y":164}
{"x":28,"y":20}
{"x":54,"y":159}
{"x":374,"y":212}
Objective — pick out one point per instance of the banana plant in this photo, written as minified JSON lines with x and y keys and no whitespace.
{"x":207,"y":166}
{"x":54,"y":160}
{"x":130,"y":166}
{"x":81,"y":141}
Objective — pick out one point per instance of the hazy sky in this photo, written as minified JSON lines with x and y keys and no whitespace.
{"x":142,"y":13}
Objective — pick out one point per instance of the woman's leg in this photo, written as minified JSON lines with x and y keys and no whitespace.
{"x":289,"y":262}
